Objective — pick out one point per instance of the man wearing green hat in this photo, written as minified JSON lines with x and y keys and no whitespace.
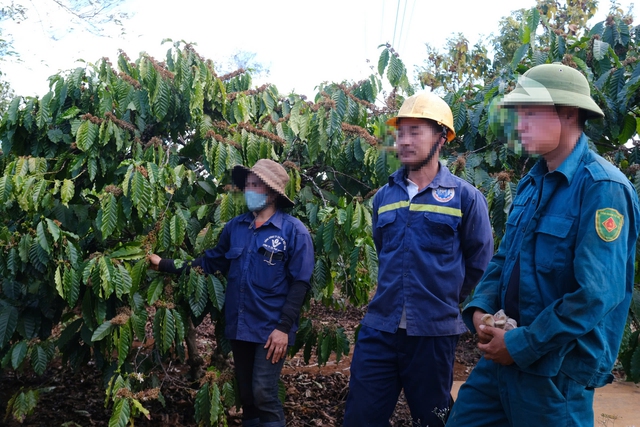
{"x":564,"y":269}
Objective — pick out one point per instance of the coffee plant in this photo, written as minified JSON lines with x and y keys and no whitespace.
{"x":119,"y":161}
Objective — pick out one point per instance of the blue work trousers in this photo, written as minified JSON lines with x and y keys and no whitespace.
{"x":257,"y":380}
{"x":384,"y":363}
{"x":503,"y":396}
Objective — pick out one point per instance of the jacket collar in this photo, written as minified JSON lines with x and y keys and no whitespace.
{"x":569,"y":166}
{"x":276,"y":218}
{"x":444,"y":178}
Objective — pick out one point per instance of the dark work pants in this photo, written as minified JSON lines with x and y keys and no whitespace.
{"x":257,"y":380}
{"x":385,"y":363}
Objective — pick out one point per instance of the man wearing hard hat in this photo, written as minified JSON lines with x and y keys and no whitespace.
{"x":564,"y":269}
{"x":433,"y":237}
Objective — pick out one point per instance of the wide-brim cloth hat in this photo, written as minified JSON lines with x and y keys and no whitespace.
{"x":271,"y":173}
{"x":554,"y":84}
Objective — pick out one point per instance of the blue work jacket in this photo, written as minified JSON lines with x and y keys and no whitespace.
{"x":260,"y":265}
{"x":575,"y":231}
{"x":432,"y":251}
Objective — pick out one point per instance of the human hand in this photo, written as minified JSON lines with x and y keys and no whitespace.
{"x":483,"y":337}
{"x":277,"y":345}
{"x":495,"y":349}
{"x":154,"y":261}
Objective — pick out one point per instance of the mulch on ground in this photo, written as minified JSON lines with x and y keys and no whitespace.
{"x":315,"y":395}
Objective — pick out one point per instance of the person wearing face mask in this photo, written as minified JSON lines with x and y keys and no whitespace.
{"x":267,"y":257}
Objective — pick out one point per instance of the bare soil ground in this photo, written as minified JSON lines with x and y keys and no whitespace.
{"x":315,"y":395}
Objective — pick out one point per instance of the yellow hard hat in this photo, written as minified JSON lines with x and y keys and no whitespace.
{"x":427,"y":105}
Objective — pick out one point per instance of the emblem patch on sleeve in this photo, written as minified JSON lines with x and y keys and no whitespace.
{"x":609,"y":224}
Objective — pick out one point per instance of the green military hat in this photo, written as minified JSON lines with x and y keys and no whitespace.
{"x":554,"y":84}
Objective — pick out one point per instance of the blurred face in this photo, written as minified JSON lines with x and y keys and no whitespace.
{"x":255,"y":184}
{"x":257,"y":194}
{"x":414,"y":140}
{"x":540,"y":129}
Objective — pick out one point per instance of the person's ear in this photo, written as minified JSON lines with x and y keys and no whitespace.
{"x":443,"y":139}
{"x":272,"y":197}
{"x":568,"y":113}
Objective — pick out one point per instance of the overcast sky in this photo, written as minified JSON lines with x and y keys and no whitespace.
{"x":302,"y":43}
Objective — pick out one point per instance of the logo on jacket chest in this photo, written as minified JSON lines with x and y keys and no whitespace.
{"x":443,"y":194}
{"x":275,"y":244}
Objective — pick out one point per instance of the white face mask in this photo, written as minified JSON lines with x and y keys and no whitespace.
{"x":255,"y":201}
